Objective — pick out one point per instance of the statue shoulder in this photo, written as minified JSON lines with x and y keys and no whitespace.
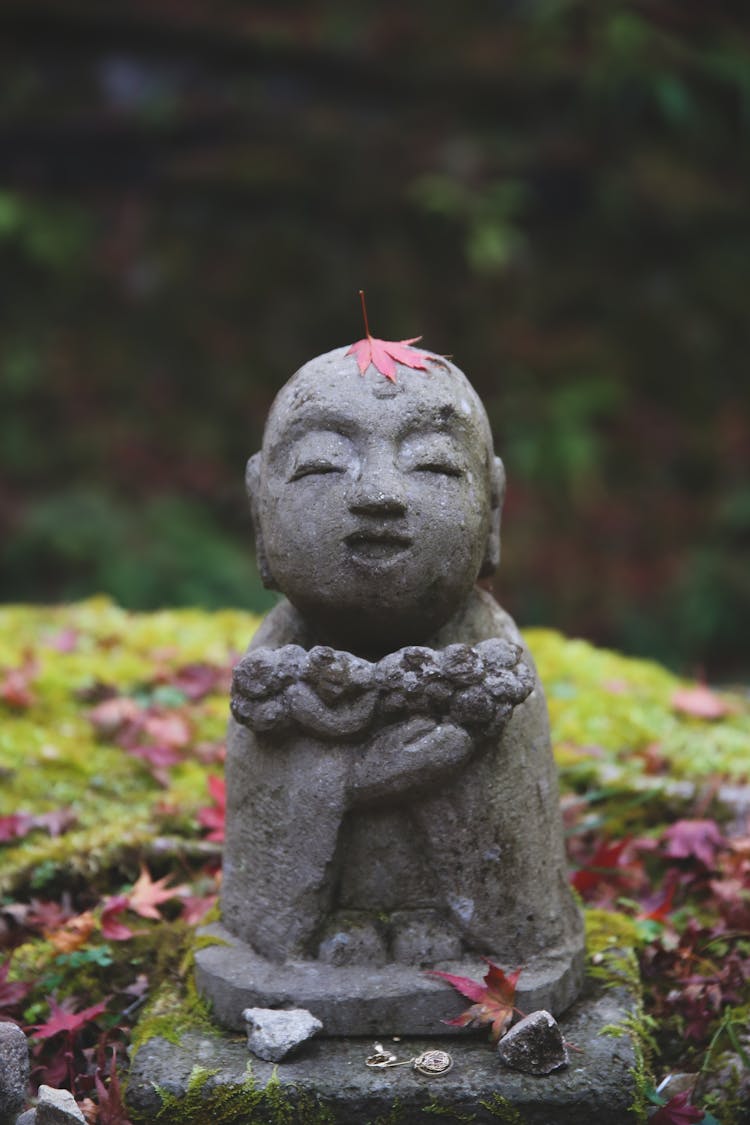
{"x":281,"y":626}
{"x":481,"y":619}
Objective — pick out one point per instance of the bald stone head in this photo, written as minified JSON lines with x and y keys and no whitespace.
{"x":376,"y":505}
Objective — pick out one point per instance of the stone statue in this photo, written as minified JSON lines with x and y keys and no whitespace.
{"x":391,"y":796}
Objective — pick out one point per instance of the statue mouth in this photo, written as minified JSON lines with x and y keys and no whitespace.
{"x":377,"y":545}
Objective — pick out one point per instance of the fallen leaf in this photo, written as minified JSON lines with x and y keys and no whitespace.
{"x":493,"y":1000}
{"x":57,"y":822}
{"x":694,"y":839}
{"x":15,"y":826}
{"x":112,"y":714}
{"x":700,"y":702}
{"x":602,"y":865}
{"x":64,"y":641}
{"x":678,"y":1111}
{"x":64,"y":1019}
{"x":213,"y":817}
{"x":73,"y":934}
{"x":196,"y":907}
{"x":15,"y":685}
{"x":113,"y":930}
{"x":147,"y":894}
{"x":111,"y":1106}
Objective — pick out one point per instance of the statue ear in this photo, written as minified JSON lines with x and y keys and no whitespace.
{"x":252,"y":486}
{"x":491,"y":559}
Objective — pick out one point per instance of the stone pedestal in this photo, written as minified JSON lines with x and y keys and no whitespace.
{"x":392,"y":999}
{"x":329,"y":1082}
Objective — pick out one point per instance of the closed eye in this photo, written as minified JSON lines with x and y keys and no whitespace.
{"x":314,"y":468}
{"x":444,"y":468}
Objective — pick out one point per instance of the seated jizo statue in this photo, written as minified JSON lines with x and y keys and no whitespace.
{"x":392,"y":801}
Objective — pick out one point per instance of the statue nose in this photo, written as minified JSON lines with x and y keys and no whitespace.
{"x":378,"y":491}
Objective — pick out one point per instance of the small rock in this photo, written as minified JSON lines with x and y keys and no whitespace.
{"x":272,"y":1034}
{"x":534,"y":1045}
{"x":27,"y":1118}
{"x":57,"y":1107}
{"x":14,"y":1070}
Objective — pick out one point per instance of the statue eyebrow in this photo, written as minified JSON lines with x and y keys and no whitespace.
{"x":445,"y":420}
{"x":323,"y":420}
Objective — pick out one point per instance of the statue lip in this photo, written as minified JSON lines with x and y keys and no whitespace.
{"x":374,"y":544}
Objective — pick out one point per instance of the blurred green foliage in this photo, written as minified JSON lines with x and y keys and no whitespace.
{"x":554,"y":192}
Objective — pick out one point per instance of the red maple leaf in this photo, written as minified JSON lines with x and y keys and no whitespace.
{"x":657,"y":909}
{"x":678,"y":1111}
{"x":196,"y":907}
{"x":694,"y":839}
{"x":111,"y":1107}
{"x":385,"y":354}
{"x":113,"y":930}
{"x":147,"y":894}
{"x":602,"y":865}
{"x":493,"y":1000}
{"x":199,"y":680}
{"x":213,"y":816}
{"x":64,"y":1020}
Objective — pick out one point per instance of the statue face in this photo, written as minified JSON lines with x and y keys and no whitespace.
{"x":374,"y":499}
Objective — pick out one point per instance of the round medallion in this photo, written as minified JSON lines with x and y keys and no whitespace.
{"x":433,"y":1063}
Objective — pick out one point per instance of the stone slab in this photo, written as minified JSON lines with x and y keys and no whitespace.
{"x":597,"y":1088}
{"x":360,"y":1000}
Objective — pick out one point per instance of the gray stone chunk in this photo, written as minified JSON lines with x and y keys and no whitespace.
{"x":57,"y":1107}
{"x":534,"y":1045}
{"x":274,"y":1034}
{"x":14,"y":1070}
{"x":27,"y":1118}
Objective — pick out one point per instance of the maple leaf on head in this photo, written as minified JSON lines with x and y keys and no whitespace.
{"x":493,"y":1000}
{"x":385,"y":354}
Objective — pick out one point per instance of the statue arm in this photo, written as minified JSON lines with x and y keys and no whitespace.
{"x":416,"y":753}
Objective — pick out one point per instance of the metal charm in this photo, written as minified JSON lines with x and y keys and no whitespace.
{"x":433,"y":1063}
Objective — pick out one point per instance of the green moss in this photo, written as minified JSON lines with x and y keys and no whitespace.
{"x":245,"y":1104}
{"x":611,"y":939}
{"x":176,"y":1006}
{"x":437,"y":1110}
{"x":619,"y":705}
{"x":502,"y":1109}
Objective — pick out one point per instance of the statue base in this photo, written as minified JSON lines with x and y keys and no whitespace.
{"x":394,"y":999}
{"x":206,"y":1076}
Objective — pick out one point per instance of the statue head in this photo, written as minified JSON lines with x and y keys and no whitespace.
{"x":376,"y":505}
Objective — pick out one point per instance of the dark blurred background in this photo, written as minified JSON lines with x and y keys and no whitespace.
{"x":554,"y":192}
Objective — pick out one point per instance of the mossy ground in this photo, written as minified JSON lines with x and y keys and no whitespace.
{"x":606,"y":711}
